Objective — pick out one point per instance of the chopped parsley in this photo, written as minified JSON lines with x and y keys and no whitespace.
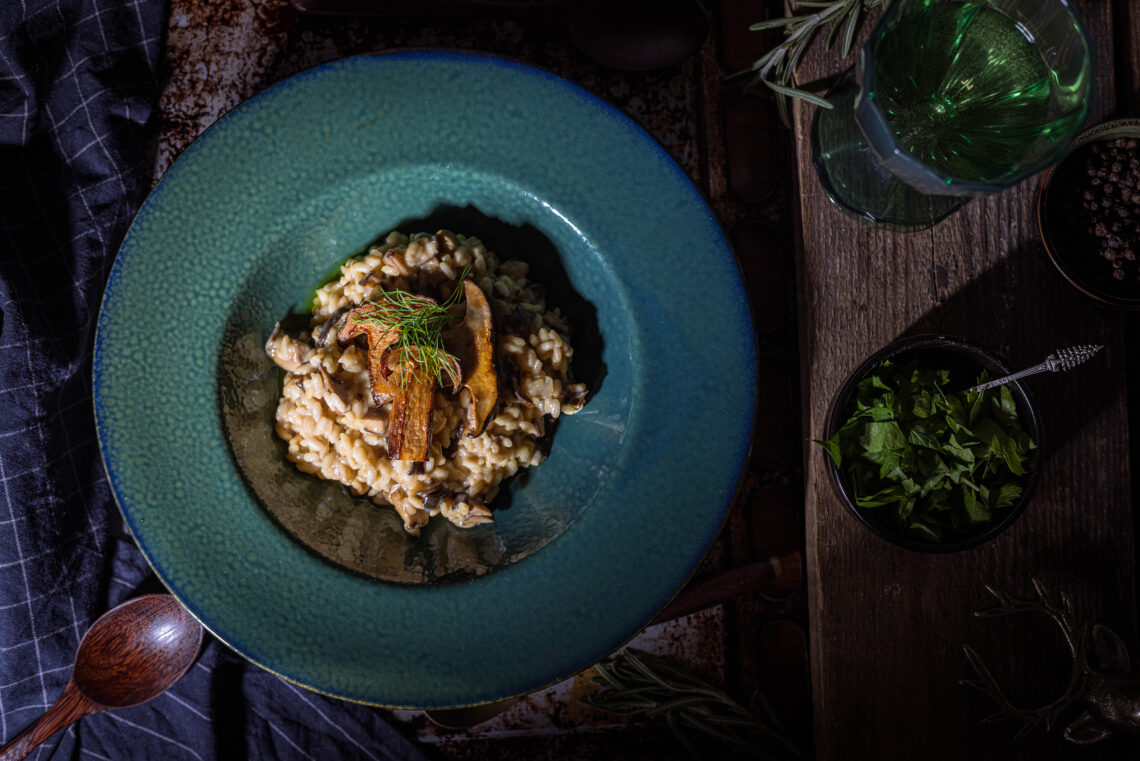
{"x":926,"y":462}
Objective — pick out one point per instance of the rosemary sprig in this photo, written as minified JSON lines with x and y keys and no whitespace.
{"x":696,"y":712}
{"x":776,"y":68}
{"x":419,"y":322}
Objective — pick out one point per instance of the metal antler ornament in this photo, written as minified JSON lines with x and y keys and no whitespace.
{"x":1101,"y":679}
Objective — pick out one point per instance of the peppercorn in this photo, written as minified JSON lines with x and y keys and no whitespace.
{"x":1095,"y":211}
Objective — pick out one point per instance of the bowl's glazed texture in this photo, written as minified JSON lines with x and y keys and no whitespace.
{"x":324,"y":589}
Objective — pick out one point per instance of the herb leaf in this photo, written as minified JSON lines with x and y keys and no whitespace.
{"x":931,"y":464}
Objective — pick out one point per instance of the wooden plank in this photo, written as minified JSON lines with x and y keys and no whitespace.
{"x":1128,"y":54}
{"x":888,"y":625}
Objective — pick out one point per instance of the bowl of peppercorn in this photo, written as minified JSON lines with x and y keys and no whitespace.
{"x":1088,"y":213}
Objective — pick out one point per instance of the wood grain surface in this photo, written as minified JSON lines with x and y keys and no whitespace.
{"x":887,"y":625}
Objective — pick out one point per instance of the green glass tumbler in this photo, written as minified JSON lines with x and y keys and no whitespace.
{"x":951,"y":99}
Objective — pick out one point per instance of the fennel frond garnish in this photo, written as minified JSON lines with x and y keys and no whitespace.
{"x":420,"y":323}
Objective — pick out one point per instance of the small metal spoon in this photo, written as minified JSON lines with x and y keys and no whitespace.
{"x":1062,"y":360}
{"x":132,"y":653}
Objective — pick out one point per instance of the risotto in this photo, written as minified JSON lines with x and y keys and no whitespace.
{"x":329,"y":414}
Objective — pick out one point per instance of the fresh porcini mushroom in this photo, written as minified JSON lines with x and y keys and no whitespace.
{"x":286,"y":352}
{"x":473,"y":343}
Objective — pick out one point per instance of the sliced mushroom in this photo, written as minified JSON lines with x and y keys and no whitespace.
{"x":511,"y":379}
{"x":379,"y":340}
{"x":410,"y":422}
{"x":473,"y":342}
{"x":519,"y":322}
{"x":286,"y":352}
{"x":322,"y":336}
{"x":336,"y":387}
{"x":375,"y":420}
{"x":467,"y":512}
{"x":452,"y":447}
{"x":432,"y":496}
{"x":574,"y":397}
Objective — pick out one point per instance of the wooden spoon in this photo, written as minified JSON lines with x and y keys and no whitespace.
{"x":132,"y":653}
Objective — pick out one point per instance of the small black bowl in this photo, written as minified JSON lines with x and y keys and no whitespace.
{"x":1064,"y":223}
{"x":964,"y":361}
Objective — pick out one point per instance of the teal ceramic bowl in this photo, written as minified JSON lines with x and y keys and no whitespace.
{"x":326,"y":590}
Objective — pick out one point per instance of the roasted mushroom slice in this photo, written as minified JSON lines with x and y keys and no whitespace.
{"x":395,"y":376}
{"x":363,"y":321}
{"x":473,"y":342}
{"x":406,"y":372}
{"x":409,"y":424}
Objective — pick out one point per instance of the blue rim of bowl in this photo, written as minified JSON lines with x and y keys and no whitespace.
{"x":979,"y":355}
{"x":684,"y":184}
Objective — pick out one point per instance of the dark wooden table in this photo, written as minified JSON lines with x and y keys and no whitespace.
{"x":887,"y":624}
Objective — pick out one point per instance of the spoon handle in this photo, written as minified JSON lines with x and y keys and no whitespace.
{"x":1043,"y":367}
{"x":71,"y":706}
{"x":1061,"y":360}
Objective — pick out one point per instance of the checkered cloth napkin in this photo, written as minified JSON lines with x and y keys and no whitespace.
{"x":78,"y":84}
